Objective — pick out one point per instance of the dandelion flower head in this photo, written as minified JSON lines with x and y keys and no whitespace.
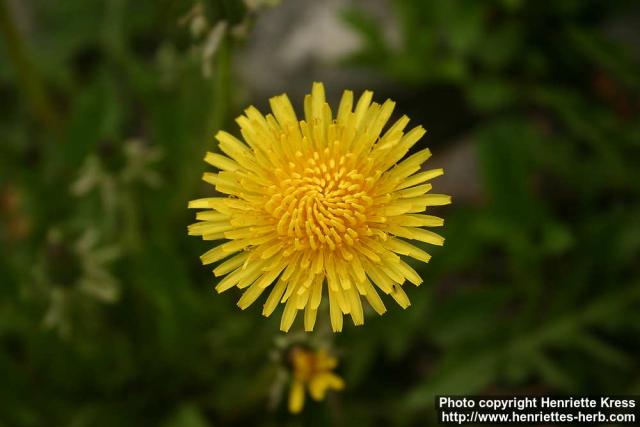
{"x":321,"y":206}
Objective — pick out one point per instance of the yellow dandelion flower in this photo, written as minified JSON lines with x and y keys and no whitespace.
{"x":312,"y":370}
{"x":321,"y":205}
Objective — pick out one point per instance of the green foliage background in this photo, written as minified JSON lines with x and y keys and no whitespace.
{"x":107,"y":318}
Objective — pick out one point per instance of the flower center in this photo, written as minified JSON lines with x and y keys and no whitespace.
{"x":320,"y":201}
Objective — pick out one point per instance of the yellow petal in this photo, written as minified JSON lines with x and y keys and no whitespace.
{"x":321,"y":383}
{"x":296,"y":397}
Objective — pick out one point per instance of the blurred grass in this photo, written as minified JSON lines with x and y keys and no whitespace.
{"x":536,"y":290}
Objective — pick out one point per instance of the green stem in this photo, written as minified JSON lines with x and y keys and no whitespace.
{"x":221,"y":89}
{"x":222,"y":85}
{"x":26,"y":73}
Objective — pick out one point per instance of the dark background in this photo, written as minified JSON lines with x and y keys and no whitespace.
{"x":107,"y":108}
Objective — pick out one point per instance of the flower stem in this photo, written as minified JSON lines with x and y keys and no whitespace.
{"x":27,"y":75}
